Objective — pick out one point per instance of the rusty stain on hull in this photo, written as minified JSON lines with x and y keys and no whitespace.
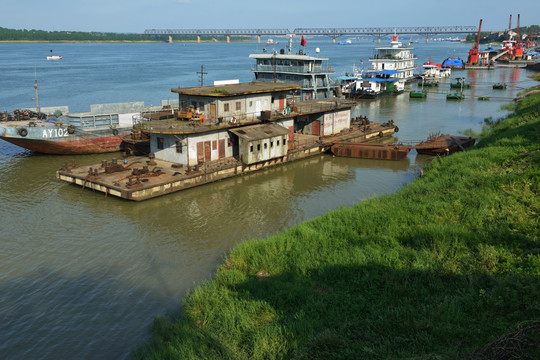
{"x":72,"y":147}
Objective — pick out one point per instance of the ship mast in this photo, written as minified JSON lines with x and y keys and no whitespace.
{"x":36,"y":87}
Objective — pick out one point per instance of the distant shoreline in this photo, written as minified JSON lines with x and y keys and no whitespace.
{"x":113,"y":41}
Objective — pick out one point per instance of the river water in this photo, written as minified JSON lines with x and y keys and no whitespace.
{"x":82,"y":276}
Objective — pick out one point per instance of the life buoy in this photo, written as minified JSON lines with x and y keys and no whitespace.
{"x":115,"y":132}
{"x":284,"y":112}
{"x":23,"y":132}
{"x":396,"y":129}
{"x":71,"y":129}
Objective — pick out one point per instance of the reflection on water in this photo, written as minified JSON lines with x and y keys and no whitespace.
{"x":82,"y":276}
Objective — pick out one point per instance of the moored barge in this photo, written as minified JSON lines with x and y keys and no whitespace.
{"x":371,"y":150}
{"x":247,"y":127}
{"x":444,"y":144}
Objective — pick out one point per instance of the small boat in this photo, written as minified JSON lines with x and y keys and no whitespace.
{"x":271,"y":42}
{"x":417,"y":94}
{"x":460,"y":85}
{"x":444,"y":144}
{"x":483,"y":98}
{"x":499,"y":86}
{"x":434,"y":70}
{"x":455,"y":96}
{"x":346,"y":42}
{"x":53,"y":57}
{"x":371,"y":150}
{"x":75,"y":133}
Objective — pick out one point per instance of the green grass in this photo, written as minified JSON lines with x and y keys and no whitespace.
{"x":442,"y":267}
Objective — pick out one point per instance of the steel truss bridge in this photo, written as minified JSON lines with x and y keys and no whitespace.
{"x":330,"y":32}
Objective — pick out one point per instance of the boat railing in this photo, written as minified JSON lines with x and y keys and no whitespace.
{"x":291,"y":69}
{"x":93,"y":120}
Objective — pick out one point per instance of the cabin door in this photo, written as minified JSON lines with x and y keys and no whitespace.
{"x":316,"y":128}
{"x":207,"y":150}
{"x":213,"y":111}
{"x":281,"y":104}
{"x":200,"y":152}
{"x":221,"y":148}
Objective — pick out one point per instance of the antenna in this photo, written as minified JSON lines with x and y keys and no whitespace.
{"x":36,"y":87}
{"x":202,"y":73}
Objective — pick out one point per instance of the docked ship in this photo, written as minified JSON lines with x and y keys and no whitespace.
{"x":99,"y":131}
{"x":395,"y":57}
{"x":435,"y":71}
{"x":311,"y":73}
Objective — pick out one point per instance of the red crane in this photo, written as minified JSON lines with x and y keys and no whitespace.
{"x":474,"y":53}
{"x":530,"y":43}
{"x":518,"y":46}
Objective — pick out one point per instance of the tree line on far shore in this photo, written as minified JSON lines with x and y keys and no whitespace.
{"x":500,"y":36}
{"x":52,"y":36}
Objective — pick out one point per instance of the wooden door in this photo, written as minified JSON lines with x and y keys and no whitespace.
{"x":200,"y":152}
{"x":207,"y":150}
{"x":281,"y":104}
{"x":316,"y":128}
{"x":213,"y":111}
{"x":221,"y":150}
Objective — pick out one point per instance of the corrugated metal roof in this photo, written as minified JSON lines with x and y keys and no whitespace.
{"x":258,"y":132}
{"x":236,"y":89}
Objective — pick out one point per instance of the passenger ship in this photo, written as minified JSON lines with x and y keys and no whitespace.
{"x":394,"y":57}
{"x":311,"y":73}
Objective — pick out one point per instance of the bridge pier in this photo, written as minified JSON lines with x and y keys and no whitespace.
{"x":427,"y":39}
{"x":228,"y":39}
{"x":258,"y":39}
{"x":198,"y":39}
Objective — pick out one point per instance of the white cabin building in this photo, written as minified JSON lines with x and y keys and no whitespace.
{"x":394,"y":57}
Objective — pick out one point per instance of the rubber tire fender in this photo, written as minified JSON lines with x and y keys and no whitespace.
{"x":396,"y":129}
{"x":115,"y":132}
{"x":22,"y":131}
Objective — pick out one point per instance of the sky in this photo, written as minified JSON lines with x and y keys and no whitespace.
{"x":135,"y":16}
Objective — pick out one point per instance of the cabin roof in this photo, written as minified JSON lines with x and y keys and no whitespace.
{"x":261,"y":131}
{"x":229,"y":90}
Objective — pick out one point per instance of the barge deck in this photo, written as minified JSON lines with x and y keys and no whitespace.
{"x":142,"y":178}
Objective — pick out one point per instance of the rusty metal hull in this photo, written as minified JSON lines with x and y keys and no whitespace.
{"x":370,"y":150}
{"x":70,"y":145}
{"x":444,"y":144}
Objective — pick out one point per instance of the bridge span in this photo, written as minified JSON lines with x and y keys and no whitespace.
{"x":330,"y":32}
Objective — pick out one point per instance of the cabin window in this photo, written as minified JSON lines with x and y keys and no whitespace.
{"x":160,"y":143}
{"x":284,"y":141}
{"x":288,"y":77}
{"x":229,"y":142}
{"x":179,"y":147}
{"x":258,"y":147}
{"x":226,"y":107}
{"x":277,"y":143}
{"x":271,"y":144}
{"x":238,"y":105}
{"x":251,"y":148}
{"x":266,"y":145}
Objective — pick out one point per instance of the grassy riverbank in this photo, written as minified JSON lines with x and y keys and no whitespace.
{"x":439,"y":269}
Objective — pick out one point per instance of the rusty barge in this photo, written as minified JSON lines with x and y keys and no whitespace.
{"x":444,"y":144}
{"x":246,"y":127}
